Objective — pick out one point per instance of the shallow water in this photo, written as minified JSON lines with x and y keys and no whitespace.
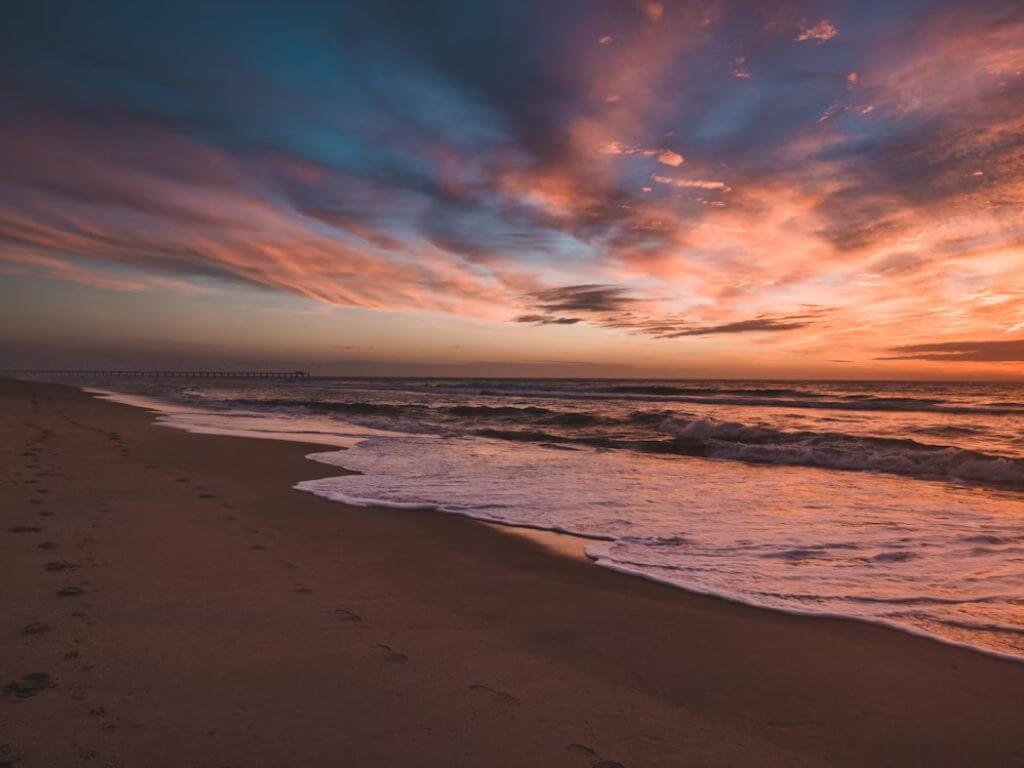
{"x":901,"y":504}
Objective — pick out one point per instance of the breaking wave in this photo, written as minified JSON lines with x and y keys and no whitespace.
{"x":664,"y":431}
{"x":833,"y":450}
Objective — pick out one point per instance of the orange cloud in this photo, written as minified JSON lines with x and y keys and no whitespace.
{"x":654,"y":11}
{"x":668,"y":157}
{"x":691,"y":183}
{"x":820,"y":32}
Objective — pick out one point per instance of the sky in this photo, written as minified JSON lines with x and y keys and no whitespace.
{"x":712,"y":188}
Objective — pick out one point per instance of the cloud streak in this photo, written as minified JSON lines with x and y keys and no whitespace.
{"x":962,"y":351}
{"x":584,"y":298}
{"x":547,"y":320}
{"x":756,"y":325}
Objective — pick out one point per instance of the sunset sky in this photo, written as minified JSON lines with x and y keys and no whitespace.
{"x":601,"y":187}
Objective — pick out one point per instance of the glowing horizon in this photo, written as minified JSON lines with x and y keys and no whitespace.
{"x":694,"y":189}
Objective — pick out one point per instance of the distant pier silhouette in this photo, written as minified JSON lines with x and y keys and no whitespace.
{"x":147,"y":374}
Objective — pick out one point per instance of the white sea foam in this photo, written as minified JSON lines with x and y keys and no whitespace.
{"x":788,"y":538}
{"x":240,"y":423}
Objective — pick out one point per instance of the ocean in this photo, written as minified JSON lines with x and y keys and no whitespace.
{"x":895,"y":503}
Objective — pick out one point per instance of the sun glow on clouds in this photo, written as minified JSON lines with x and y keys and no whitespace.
{"x":872,"y":211}
{"x":822,"y":31}
{"x":691,"y":183}
{"x":668,"y":157}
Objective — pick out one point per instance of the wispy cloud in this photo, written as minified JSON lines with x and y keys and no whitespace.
{"x":547,"y":320}
{"x":583,"y":298}
{"x":691,"y":183}
{"x":961,"y":351}
{"x":755,"y":325}
{"x":612,"y":306}
{"x":819,"y":32}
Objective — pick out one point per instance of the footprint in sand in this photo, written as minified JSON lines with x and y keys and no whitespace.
{"x":60,"y":565}
{"x":8,"y":756}
{"x":499,"y":696}
{"x":582,"y":749}
{"x":390,"y":655}
{"x":28,"y":686}
{"x":344,"y":614}
{"x":37,"y":628}
{"x":591,"y":754}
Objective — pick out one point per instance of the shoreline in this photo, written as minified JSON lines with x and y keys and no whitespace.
{"x":547,"y":659}
{"x":556,"y":540}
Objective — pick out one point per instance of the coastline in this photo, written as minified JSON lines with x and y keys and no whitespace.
{"x":220,"y":608}
{"x":569,"y":542}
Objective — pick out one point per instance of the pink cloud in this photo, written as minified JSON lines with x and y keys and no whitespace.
{"x":820,"y":32}
{"x":691,"y":183}
{"x":668,"y":157}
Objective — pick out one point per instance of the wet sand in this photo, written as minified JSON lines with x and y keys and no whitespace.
{"x":167,"y":599}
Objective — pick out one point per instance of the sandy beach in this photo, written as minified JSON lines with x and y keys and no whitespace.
{"x":169,"y":600}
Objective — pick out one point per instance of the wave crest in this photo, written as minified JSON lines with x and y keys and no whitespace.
{"x":832,"y":450}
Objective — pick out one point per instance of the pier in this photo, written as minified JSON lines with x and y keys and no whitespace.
{"x":147,"y":374}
